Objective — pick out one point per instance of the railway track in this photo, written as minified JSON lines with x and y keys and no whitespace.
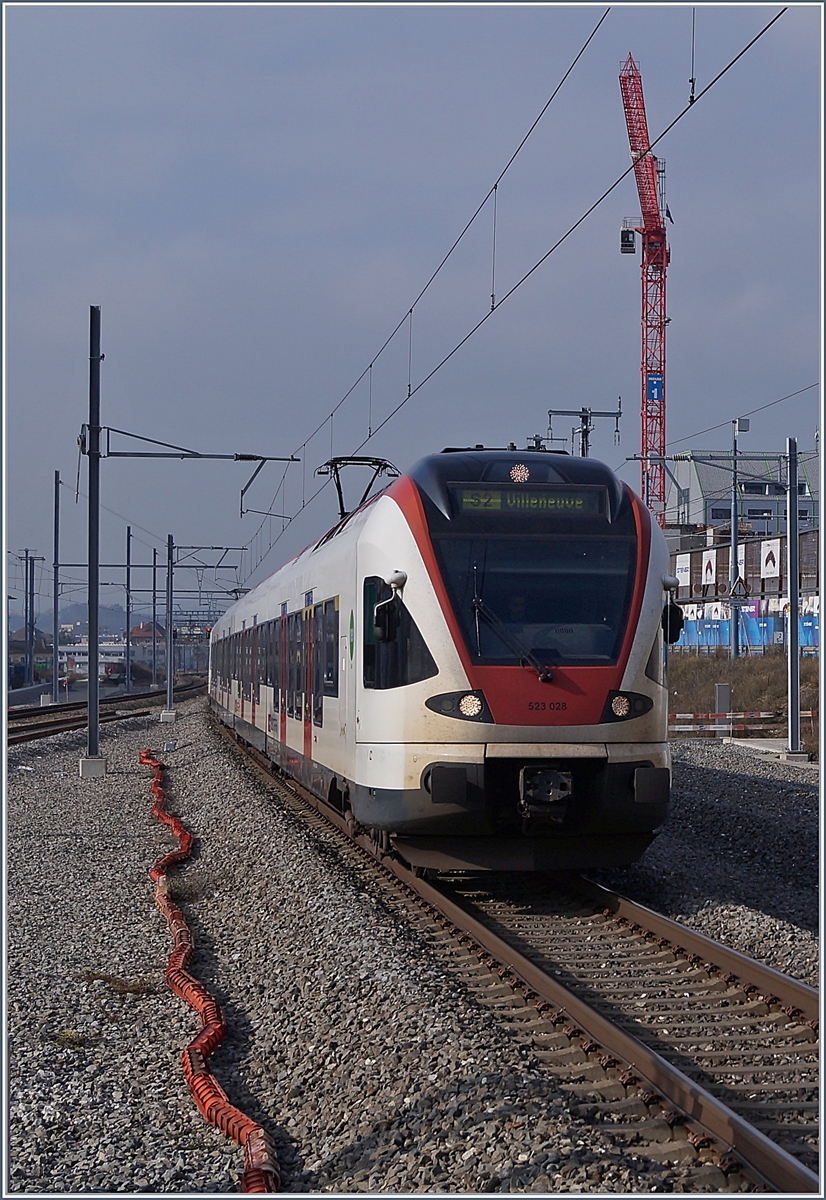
{"x":727,"y":1041}
{"x":680,"y":1046}
{"x":33,"y":722}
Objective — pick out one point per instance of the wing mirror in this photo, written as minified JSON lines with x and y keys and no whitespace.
{"x":672,"y":622}
{"x":387,"y":613}
{"x":386,"y":617}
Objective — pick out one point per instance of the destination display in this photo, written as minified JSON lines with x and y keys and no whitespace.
{"x":550,"y":501}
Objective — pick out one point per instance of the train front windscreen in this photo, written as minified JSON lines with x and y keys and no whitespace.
{"x":538,"y":572}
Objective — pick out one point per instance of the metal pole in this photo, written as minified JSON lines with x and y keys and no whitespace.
{"x":170,"y":663}
{"x":93,"y":740}
{"x":26,"y":680}
{"x":30,"y":638}
{"x":154,"y":618}
{"x":793,"y":572}
{"x":128,"y":654}
{"x":56,"y":592}
{"x":735,"y":529}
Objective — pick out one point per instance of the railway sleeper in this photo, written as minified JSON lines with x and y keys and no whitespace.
{"x":577,"y":1072}
{"x":605,"y":1089}
{"x":656,"y":1130}
{"x":567,"y":1054}
{"x":676,"y":1152}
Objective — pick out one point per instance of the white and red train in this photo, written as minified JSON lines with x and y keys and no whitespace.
{"x":470,"y":665}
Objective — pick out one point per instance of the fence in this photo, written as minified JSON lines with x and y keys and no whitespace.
{"x":756,"y":633}
{"x":724,"y":723}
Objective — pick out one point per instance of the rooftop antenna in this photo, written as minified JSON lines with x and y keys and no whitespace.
{"x":586,"y":424}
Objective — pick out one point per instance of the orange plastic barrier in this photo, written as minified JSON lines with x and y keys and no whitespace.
{"x":261,"y":1169}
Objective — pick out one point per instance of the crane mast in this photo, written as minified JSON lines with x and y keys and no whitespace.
{"x":649,"y":173}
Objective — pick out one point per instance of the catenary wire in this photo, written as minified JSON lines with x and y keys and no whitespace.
{"x":308,"y":500}
{"x":722,"y":424}
{"x":750,"y":413}
{"x":491,"y":192}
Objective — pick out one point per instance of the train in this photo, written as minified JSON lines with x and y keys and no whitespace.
{"x":469,"y":666}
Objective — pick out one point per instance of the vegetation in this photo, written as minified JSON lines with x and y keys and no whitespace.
{"x":758,"y":684}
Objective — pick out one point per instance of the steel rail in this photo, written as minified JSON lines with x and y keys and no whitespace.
{"x":789,"y":991}
{"x":31,"y":733}
{"x":23,"y":711}
{"x":776,"y":1168}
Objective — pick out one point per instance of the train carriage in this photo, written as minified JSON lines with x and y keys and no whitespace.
{"x":470,"y":665}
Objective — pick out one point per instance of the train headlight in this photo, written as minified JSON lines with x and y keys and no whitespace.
{"x":520,"y":473}
{"x":624,"y":706}
{"x":470,"y":705}
{"x":467,"y":706}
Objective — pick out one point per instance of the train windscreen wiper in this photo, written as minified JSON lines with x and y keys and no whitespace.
{"x":510,"y":639}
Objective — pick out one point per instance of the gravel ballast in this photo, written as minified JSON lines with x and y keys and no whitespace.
{"x":739,"y":858}
{"x":373,"y":1069}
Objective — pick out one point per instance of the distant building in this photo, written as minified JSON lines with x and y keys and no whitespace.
{"x":16,"y":654}
{"x":16,"y":646}
{"x":141,"y":641}
{"x":700,"y":492}
{"x":74,"y":660}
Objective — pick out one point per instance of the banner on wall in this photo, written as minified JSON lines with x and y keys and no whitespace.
{"x":709,"y":567}
{"x":683,"y":570}
{"x":770,"y":559}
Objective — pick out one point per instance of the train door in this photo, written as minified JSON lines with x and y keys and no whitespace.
{"x":282,"y":682}
{"x":242,"y":670}
{"x":309,"y":661}
{"x":271,"y":675}
{"x":344,"y":685}
{"x":254,"y":677}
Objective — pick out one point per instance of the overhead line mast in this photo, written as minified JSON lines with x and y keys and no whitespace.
{"x":649,"y":172}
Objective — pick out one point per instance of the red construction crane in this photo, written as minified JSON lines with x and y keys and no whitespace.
{"x":650,"y":175}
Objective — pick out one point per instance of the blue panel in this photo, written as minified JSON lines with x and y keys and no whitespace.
{"x":654,"y":385}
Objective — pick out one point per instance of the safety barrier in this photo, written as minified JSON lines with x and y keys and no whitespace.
{"x":725,"y":721}
{"x":261,"y":1169}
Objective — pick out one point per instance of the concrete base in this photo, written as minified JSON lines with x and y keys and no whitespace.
{"x":44,"y":700}
{"x":775,"y":746}
{"x":168,"y":716}
{"x":92,"y":766}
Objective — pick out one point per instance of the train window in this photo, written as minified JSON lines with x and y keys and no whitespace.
{"x":298,"y":679}
{"x":281,"y":659}
{"x":318,"y":663}
{"x":565,"y":599}
{"x":289,"y":664}
{"x":246,"y":662}
{"x":404,"y":660}
{"x":331,"y":647}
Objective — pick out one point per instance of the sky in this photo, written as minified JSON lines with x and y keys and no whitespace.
{"x":256,"y":195}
